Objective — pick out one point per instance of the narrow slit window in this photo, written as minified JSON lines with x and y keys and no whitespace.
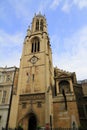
{"x":35,"y":47}
{"x":37,"y":25}
{"x":4,"y":96}
{"x":0,"y":118}
{"x":33,"y":77}
{"x":32,"y":48}
{"x":38,"y":46}
{"x":41,"y":25}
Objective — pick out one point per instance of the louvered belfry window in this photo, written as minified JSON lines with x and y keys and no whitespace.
{"x":35,"y":45}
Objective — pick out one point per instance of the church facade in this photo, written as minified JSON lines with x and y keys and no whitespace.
{"x":45,"y":96}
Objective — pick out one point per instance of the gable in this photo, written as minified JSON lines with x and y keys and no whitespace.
{"x":63,"y":75}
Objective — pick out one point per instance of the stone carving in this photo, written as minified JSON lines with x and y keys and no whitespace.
{"x":32,"y":97}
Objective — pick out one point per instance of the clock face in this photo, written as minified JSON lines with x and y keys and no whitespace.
{"x":33,"y":60}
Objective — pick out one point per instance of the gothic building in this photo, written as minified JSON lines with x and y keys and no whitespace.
{"x":45,"y":94}
{"x":36,"y":77}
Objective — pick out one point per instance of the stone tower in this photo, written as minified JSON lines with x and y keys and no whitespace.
{"x":36,"y":77}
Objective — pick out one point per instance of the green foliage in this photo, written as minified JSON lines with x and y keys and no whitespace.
{"x":83,"y":127}
{"x":20,"y":128}
{"x":38,"y":127}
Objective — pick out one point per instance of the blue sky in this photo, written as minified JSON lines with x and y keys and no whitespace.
{"x":67,"y":28}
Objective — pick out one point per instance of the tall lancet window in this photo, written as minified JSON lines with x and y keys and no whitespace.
{"x":41,"y":25}
{"x":35,"y":47}
{"x":64,"y":85}
{"x":37,"y":25}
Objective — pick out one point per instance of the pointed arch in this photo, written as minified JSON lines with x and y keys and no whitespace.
{"x":64,"y":85}
{"x":31,"y":120}
{"x":35,"y":47}
{"x":37,"y":25}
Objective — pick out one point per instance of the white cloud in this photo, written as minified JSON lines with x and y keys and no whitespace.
{"x":74,"y":56}
{"x":55,"y":4}
{"x":10,"y":39}
{"x":43,"y":6}
{"x":11,"y":59}
{"x":80,"y":3}
{"x":67,"y":6}
{"x":54,"y":38}
{"x":21,"y":9}
{"x":10,"y":48}
{"x":12,"y":10}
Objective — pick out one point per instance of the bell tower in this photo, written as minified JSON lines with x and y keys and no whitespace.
{"x":36,"y":75}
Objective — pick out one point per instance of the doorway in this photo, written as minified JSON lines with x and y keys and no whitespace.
{"x":32,"y":123}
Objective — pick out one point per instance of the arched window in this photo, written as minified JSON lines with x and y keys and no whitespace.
{"x":35,"y":45}
{"x":37,"y":25}
{"x":41,"y":25}
{"x":64,"y":86}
